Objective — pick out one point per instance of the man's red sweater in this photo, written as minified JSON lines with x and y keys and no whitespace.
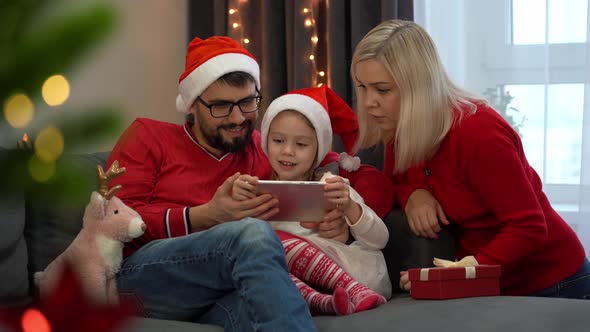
{"x":167,"y":172}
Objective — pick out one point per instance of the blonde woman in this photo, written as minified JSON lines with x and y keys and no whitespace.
{"x":456,"y":161}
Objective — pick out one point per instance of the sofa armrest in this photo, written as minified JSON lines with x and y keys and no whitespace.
{"x":405,"y":250}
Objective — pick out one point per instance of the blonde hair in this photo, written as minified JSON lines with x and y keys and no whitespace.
{"x":427,"y":95}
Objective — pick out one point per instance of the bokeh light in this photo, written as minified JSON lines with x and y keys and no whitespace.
{"x":49,"y":144}
{"x":55,"y":90}
{"x":41,"y":171}
{"x":18,"y":110}
{"x":34,"y":321}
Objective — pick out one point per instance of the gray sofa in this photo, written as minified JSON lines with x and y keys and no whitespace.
{"x":35,"y":228}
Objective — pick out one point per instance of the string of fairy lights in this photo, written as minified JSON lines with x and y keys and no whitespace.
{"x":237,"y":31}
{"x":318,"y":75}
{"x":234,"y":19}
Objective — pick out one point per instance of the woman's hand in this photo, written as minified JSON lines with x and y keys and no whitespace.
{"x":404,"y":281}
{"x":244,"y":187}
{"x":424,"y":213}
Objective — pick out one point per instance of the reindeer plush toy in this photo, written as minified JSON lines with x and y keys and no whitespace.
{"x":97,"y":252}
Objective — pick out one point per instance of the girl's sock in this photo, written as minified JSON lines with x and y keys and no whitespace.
{"x":310,"y":264}
{"x":337,"y":304}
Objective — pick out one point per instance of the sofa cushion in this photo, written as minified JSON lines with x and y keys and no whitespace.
{"x":14,"y":287}
{"x":482,"y":314}
{"x":53,"y":221}
{"x":157,"y":325}
{"x":405,"y":250}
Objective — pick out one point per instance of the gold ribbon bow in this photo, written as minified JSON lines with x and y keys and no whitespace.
{"x":465,"y":262}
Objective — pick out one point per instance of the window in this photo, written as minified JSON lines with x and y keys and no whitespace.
{"x":566,"y":22}
{"x":553,"y":139}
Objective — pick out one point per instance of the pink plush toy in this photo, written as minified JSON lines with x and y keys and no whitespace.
{"x":97,"y":252}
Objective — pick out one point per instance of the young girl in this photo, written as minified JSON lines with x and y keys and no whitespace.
{"x":296,"y":136}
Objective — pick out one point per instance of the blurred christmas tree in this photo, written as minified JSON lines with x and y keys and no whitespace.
{"x":39,"y":50}
{"x":500,"y":100}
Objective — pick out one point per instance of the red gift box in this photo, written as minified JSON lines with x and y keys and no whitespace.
{"x":455,"y":282}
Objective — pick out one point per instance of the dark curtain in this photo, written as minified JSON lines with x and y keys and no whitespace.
{"x":280,"y":41}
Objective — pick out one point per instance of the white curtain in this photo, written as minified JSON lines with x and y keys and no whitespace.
{"x":531,"y":59}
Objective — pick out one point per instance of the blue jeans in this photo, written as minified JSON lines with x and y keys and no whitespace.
{"x":574,"y":287}
{"x":233,"y":275}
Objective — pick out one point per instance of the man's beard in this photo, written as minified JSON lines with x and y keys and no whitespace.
{"x":215,"y":139}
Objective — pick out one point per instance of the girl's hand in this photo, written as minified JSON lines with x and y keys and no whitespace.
{"x":338,"y":193}
{"x":333,"y":226}
{"x":244,"y":187}
{"x":424,"y":212}
{"x":223,"y":207}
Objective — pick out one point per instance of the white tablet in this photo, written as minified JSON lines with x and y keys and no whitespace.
{"x":298,"y":200}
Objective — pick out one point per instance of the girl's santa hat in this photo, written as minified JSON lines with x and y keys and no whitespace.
{"x":206,"y":61}
{"x":328,"y":114}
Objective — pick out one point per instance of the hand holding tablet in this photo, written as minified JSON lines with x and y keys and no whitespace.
{"x":298,"y":200}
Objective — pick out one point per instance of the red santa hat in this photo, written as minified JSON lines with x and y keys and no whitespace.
{"x":206,"y":61}
{"x":328,"y":114}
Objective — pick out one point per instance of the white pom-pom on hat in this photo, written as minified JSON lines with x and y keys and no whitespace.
{"x":349,"y":162}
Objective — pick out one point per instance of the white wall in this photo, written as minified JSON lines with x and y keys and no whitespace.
{"x":136,"y":67}
{"x":139,"y":64}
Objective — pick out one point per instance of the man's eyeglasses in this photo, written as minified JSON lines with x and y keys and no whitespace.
{"x":223,"y":109}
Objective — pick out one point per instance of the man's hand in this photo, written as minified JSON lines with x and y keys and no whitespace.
{"x":333,"y":226}
{"x":424,"y":212}
{"x":223,"y":208}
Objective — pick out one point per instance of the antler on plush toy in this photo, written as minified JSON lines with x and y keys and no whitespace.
{"x":105,"y":178}
{"x":97,"y":252}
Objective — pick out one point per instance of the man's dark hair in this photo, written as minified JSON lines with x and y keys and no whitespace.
{"x":237,"y":79}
